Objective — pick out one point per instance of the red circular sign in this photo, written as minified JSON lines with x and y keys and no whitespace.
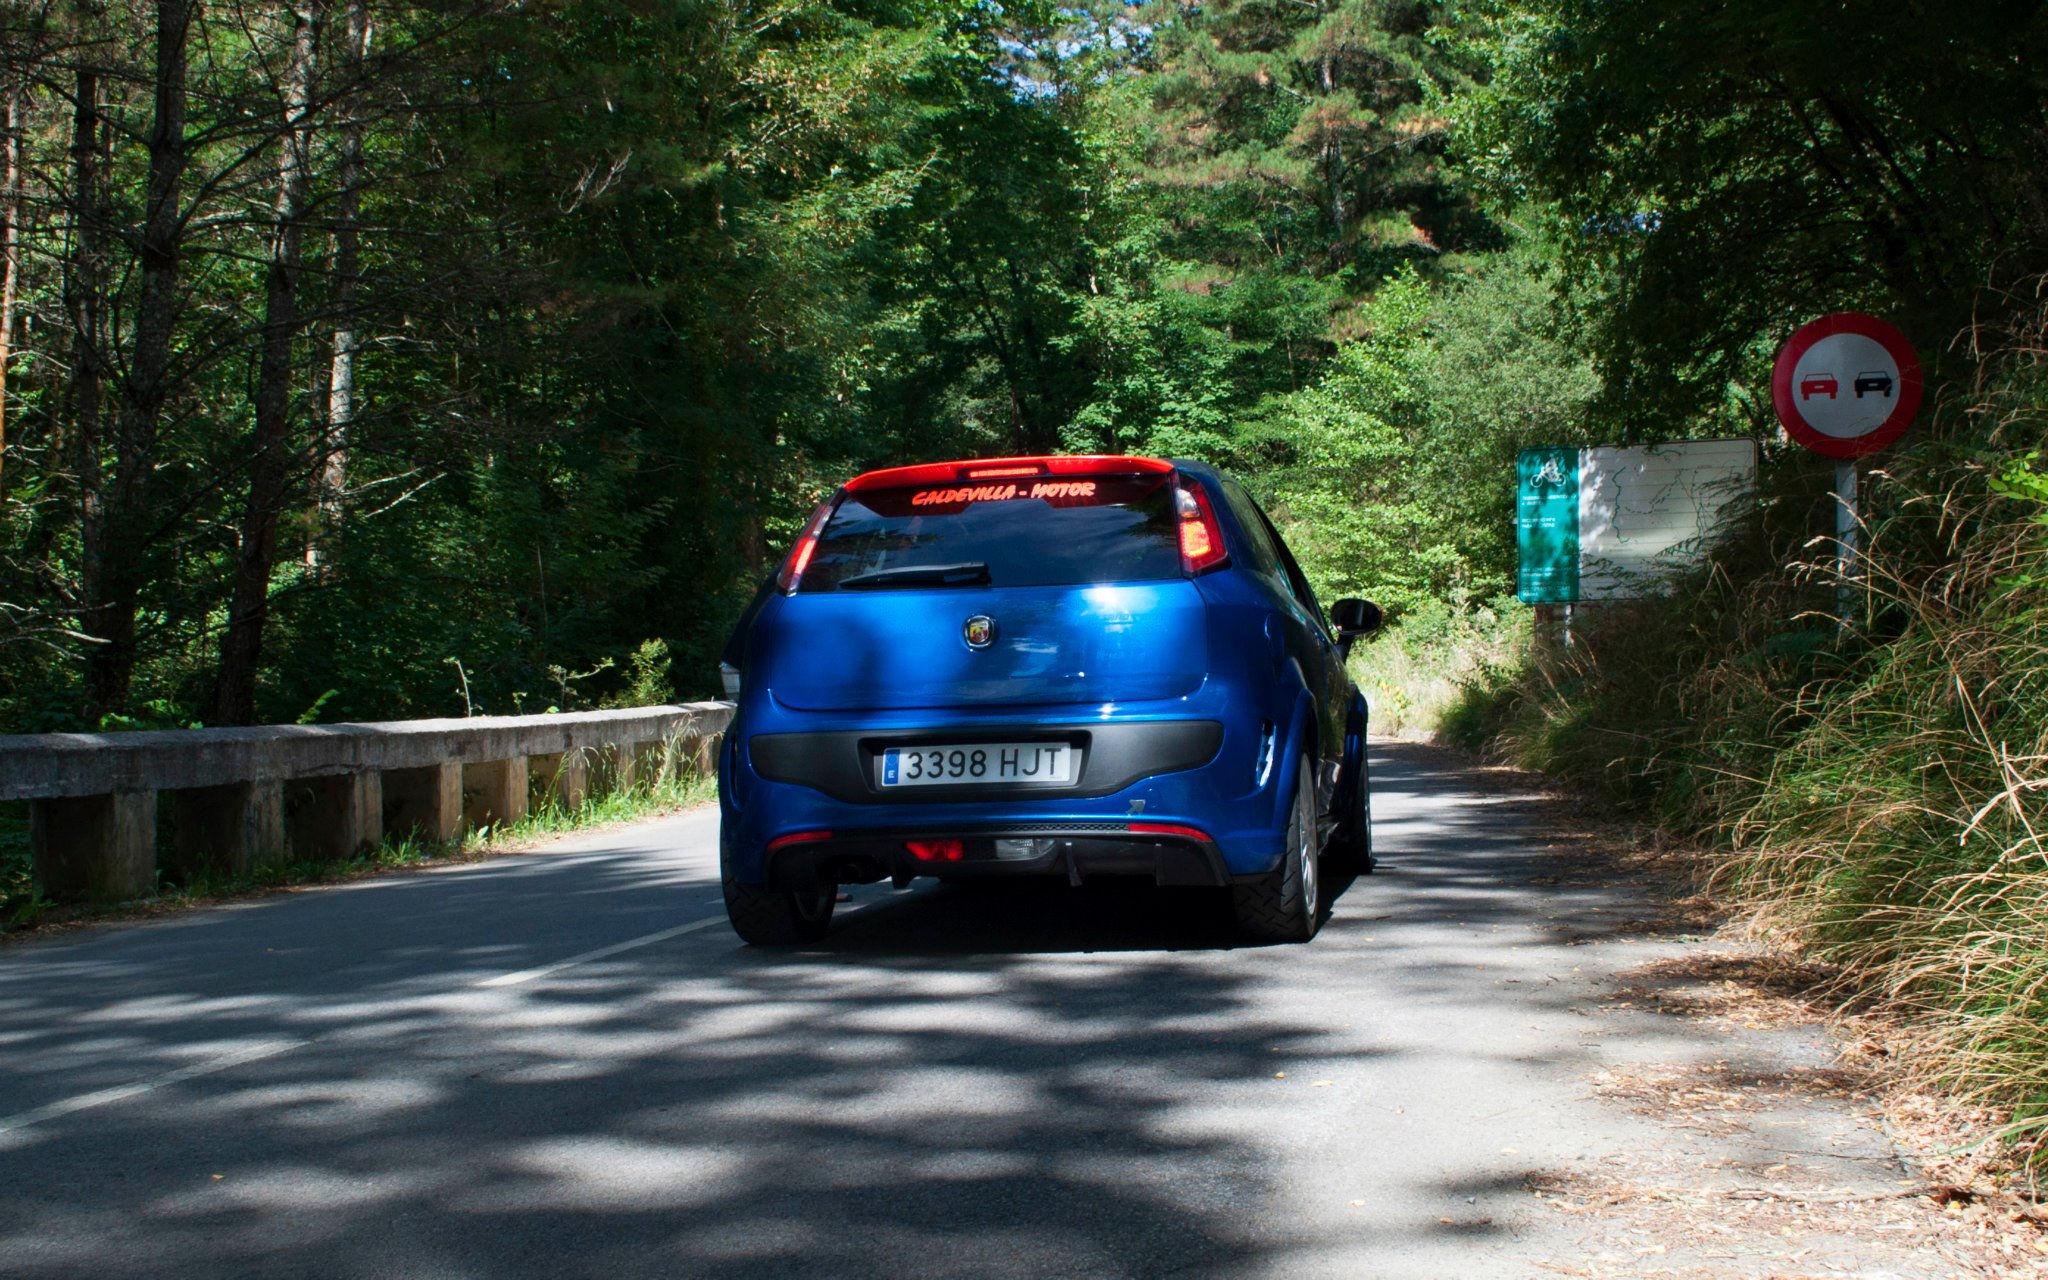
{"x":1846,"y":385}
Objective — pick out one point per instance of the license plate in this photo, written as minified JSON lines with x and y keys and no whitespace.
{"x":983,"y":762}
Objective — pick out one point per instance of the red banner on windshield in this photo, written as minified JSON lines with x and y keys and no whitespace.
{"x":1059,"y":491}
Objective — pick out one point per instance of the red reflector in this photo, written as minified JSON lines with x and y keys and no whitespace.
{"x":798,"y":837}
{"x":1170,"y":829}
{"x":936,"y":850}
{"x":998,"y":473}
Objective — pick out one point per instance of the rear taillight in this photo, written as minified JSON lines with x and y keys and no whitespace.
{"x":936,"y":850}
{"x":806,"y":544}
{"x":1201,"y":538}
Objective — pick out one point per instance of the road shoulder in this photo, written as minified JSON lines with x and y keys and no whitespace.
{"x":1782,"y":1147}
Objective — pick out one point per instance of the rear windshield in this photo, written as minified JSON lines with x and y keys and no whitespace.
{"x":1035,"y":532}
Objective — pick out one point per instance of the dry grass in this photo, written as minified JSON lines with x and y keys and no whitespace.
{"x":1898,"y":835}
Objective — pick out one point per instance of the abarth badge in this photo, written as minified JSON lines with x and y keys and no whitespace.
{"x":980,"y":631}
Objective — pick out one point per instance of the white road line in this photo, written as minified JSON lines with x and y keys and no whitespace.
{"x":121,"y":1093}
{"x":528,"y":975}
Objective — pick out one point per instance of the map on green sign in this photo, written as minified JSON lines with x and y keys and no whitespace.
{"x":1547,"y":525}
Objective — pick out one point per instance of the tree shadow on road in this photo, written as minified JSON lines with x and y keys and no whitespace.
{"x":1031,"y":1082}
{"x":690,"y":1108}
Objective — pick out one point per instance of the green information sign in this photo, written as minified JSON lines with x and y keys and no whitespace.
{"x":1547,"y":525}
{"x":1613,"y":522}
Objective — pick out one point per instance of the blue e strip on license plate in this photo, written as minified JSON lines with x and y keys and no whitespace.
{"x":983,"y":762}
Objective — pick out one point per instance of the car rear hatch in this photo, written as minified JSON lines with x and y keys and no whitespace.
{"x":951,"y":587}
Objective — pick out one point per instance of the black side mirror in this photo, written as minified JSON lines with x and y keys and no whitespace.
{"x":1354,"y":618}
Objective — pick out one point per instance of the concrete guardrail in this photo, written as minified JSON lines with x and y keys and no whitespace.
{"x":243,"y":798}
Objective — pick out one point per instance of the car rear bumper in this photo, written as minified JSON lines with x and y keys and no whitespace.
{"x":1183,"y":799}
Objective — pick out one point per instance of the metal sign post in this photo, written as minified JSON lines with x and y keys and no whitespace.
{"x":1847,"y":527}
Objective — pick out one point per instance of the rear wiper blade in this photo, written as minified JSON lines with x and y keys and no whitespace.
{"x":972,"y":573}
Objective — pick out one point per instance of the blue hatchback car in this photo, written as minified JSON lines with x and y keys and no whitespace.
{"x":1059,"y":666}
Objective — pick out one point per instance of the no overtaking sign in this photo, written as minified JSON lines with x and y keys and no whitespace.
{"x":1846,"y":385}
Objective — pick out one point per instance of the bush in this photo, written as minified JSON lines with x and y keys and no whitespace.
{"x":648,"y":683}
{"x":1433,"y":658}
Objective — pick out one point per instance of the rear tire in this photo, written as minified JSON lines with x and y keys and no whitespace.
{"x":768,"y":917}
{"x":1351,"y":846}
{"x":1286,"y":903}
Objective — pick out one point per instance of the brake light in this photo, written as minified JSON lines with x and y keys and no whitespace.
{"x":798,"y":837}
{"x":1002,"y":473}
{"x":936,"y":850}
{"x":941,"y":473}
{"x":1201,"y":538}
{"x":806,"y":545}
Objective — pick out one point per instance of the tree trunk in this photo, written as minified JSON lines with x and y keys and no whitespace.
{"x":10,"y":258}
{"x":1333,"y":162}
{"x":84,"y":282}
{"x":249,"y":611}
{"x":111,"y":665}
{"x":341,"y":380}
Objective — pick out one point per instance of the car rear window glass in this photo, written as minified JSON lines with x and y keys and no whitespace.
{"x":1264,"y":558}
{"x":1032,"y":532}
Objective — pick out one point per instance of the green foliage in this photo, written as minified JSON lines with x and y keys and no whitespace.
{"x":1439,"y":661}
{"x":311,"y":715}
{"x":2023,"y":479}
{"x":1712,"y":181}
{"x":1349,"y":498}
{"x":1388,"y":474}
{"x":647,"y":678}
{"x":1308,"y":138}
{"x":637,"y":284}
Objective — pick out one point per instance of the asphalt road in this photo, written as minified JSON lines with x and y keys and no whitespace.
{"x":564,"y":1064}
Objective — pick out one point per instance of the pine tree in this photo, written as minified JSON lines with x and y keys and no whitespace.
{"x":1309,"y":136}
